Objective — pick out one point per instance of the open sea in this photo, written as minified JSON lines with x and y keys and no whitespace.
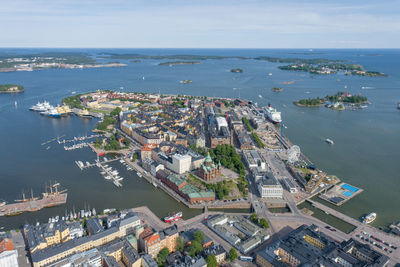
{"x":367,"y":141}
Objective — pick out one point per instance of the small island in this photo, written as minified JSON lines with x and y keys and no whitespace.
{"x":277,"y":89}
{"x":338,"y":101}
{"x":237,"y":70}
{"x":185,"y":81}
{"x":11,"y":88}
{"x":176,"y":63}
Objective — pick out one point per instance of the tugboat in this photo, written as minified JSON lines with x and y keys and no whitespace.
{"x":174,"y":217}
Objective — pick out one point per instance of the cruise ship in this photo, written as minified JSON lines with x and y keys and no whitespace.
{"x":272,"y":114}
{"x":174,"y":217}
{"x":369,"y":218}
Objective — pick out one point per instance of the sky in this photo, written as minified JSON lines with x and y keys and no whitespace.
{"x":200,"y":24}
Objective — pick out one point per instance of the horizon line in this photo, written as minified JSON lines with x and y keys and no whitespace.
{"x":231,"y":48}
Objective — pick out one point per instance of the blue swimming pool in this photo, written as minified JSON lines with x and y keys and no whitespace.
{"x":347,"y":193}
{"x":350,"y":188}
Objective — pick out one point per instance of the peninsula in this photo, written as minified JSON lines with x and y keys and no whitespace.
{"x":32,"y":62}
{"x":207,"y":153}
{"x":11,"y":88}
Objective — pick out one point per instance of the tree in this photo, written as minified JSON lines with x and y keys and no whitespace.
{"x":199,"y":236}
{"x":195,"y":248}
{"x":264,"y":223}
{"x":232,"y":255}
{"x":254,"y":218}
{"x":162,"y":256}
{"x":115,"y":111}
{"x":212,"y":261}
{"x":180,"y":244}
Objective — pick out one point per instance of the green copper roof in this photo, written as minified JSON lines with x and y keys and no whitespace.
{"x":208,"y":158}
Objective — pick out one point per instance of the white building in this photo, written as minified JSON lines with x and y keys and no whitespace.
{"x":221,"y":122}
{"x":155,"y":167}
{"x":75,"y":230}
{"x":181,"y":163}
{"x":9,"y":258}
{"x":269,"y":187}
{"x":254,"y":160}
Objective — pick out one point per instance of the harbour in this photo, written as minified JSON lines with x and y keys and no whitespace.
{"x":339,"y":159}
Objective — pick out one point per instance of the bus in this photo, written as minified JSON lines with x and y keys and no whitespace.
{"x":246,"y":258}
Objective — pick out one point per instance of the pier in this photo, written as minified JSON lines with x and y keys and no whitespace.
{"x":34,"y":203}
{"x":75,"y":139}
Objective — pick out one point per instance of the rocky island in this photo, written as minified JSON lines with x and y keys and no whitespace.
{"x":11,"y":88}
{"x":237,"y":70}
{"x":277,"y":89}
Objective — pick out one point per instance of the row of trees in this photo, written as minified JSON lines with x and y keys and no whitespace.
{"x":247,"y":123}
{"x":257,"y":139}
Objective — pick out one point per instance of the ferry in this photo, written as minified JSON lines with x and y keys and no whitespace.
{"x":41,"y":107}
{"x":329,"y":141}
{"x":51,"y":112}
{"x":174,"y":217}
{"x":369,"y":218}
{"x":272,"y":114}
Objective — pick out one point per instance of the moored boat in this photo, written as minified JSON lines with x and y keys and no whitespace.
{"x":329,"y":141}
{"x":174,"y":217}
{"x":369,"y":218}
{"x":272,"y":114}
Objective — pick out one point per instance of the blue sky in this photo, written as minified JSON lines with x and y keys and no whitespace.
{"x":200,"y":24}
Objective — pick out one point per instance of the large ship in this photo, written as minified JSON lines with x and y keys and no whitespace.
{"x":272,"y":114}
{"x":369,"y":218}
{"x":51,"y":112}
{"x":41,"y":107}
{"x":51,"y":197}
{"x":174,"y":217}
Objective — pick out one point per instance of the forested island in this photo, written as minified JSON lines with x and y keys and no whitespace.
{"x":11,"y":88}
{"x":174,"y":63}
{"x":332,"y":68}
{"x":337,"y":101}
{"x":277,"y":89}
